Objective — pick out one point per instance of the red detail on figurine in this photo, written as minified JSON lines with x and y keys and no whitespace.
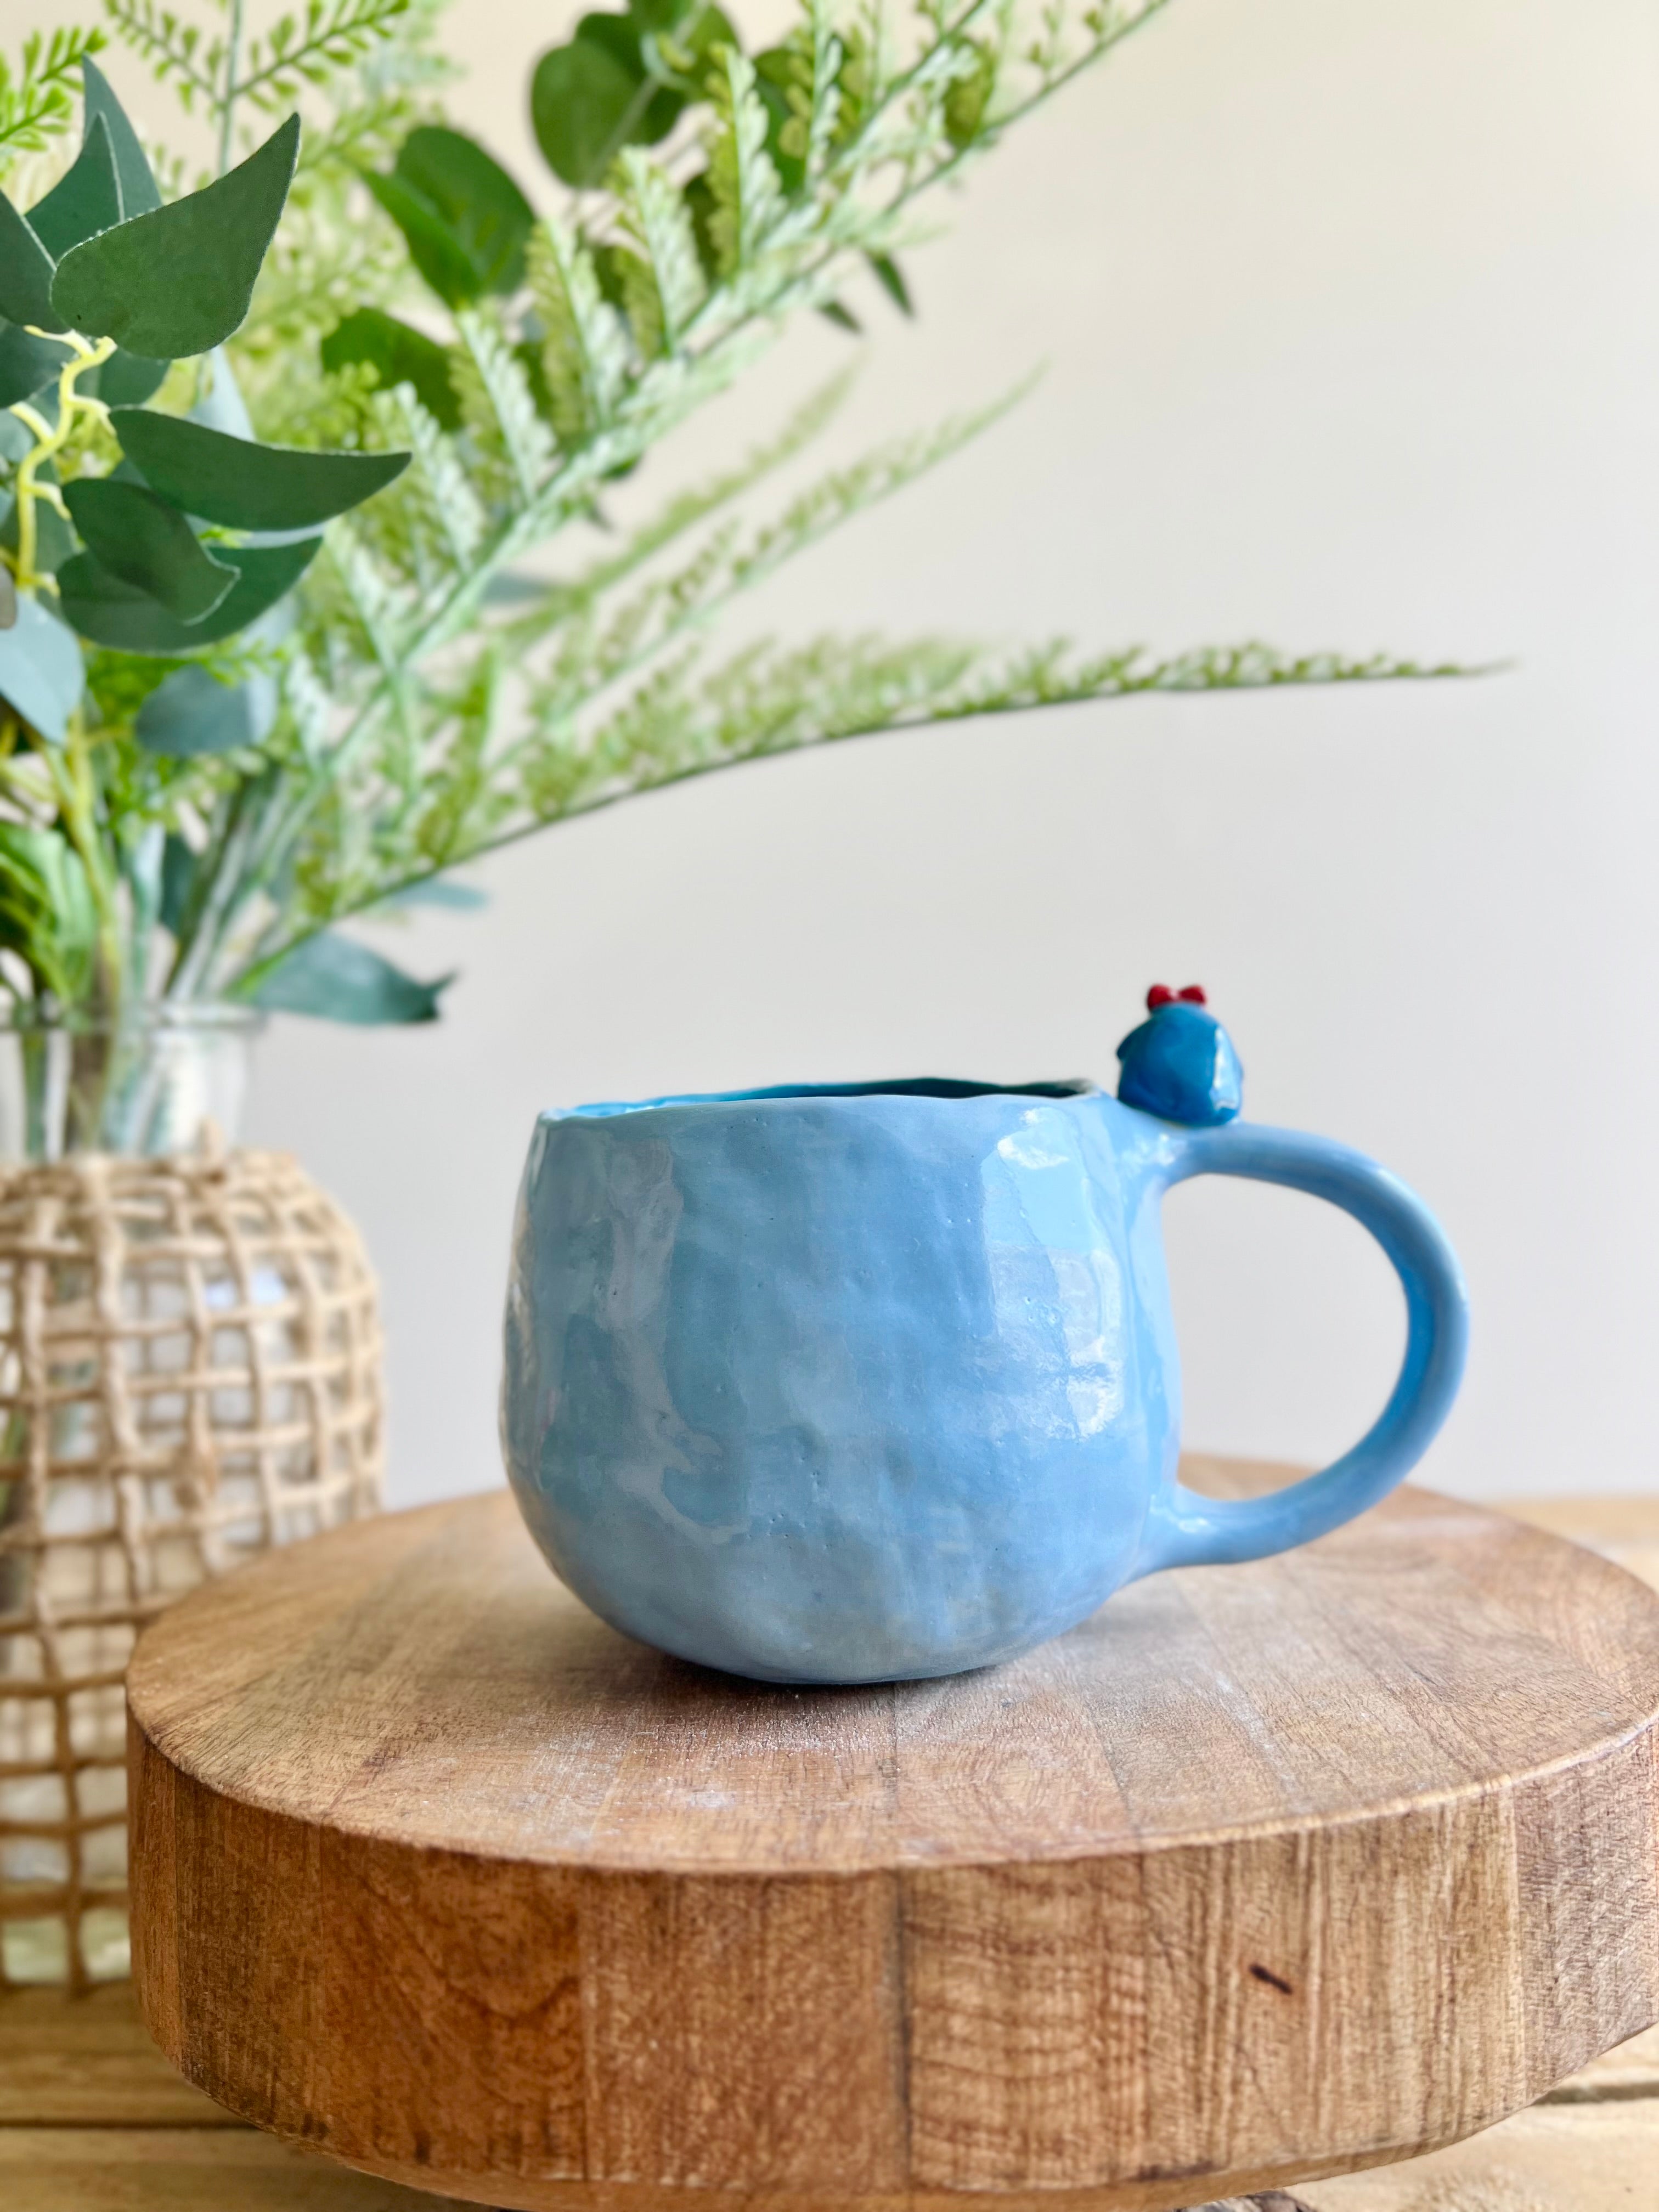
{"x":1162,"y":995}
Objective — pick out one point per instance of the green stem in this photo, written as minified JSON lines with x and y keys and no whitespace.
{"x":222,"y":887}
{"x":27,"y":489}
{"x":75,"y":788}
{"x":232,"y":90}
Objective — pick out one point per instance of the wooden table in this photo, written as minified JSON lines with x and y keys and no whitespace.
{"x":91,"y":2117}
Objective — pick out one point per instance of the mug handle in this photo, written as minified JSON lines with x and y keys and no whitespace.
{"x":1184,"y":1529}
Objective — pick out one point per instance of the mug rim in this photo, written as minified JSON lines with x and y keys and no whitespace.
{"x":929,"y":1090}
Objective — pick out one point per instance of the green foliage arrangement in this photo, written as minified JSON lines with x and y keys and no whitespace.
{"x":253,"y":686}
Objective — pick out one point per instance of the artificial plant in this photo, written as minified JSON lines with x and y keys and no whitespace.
{"x":194,"y":798}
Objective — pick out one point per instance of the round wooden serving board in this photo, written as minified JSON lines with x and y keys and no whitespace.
{"x":1264,"y":1872}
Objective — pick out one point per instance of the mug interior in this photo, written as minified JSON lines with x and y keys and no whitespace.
{"x":915,"y":1086}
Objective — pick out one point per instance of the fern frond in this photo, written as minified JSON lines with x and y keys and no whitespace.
{"x":829,"y":56}
{"x":333,"y":36}
{"x":35,"y":102}
{"x":690,"y":507}
{"x":583,"y":350}
{"x":765,"y":701}
{"x":653,"y":215}
{"x":435,"y":485}
{"x":381,"y":609}
{"x":470,"y":804}
{"x":174,"y":49}
{"x":590,"y":659}
{"x":307,"y":700}
{"x":748,"y":196}
{"x":500,"y":410}
{"x":455,"y":703}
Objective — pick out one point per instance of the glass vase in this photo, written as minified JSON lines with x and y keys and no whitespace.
{"x":167,"y":1079}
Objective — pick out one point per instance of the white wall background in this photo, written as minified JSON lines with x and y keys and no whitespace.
{"x":1353,"y":340}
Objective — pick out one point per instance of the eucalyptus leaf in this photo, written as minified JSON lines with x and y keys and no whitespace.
{"x":54,"y":541}
{"x":485,"y":207}
{"x":178,"y":281}
{"x":657,"y":14}
{"x":26,"y":363}
{"x":466,"y":222}
{"x":86,"y":199}
{"x":25,"y":273}
{"x":399,"y":353}
{"x":653,"y":113}
{"x":140,"y":192}
{"x":245,"y":486}
{"x":580,"y":97}
{"x":111,"y":612}
{"x":41,"y":672}
{"x":126,"y":379}
{"x":433,"y":248}
{"x":341,"y":981}
{"x":146,"y":542}
{"x":191,"y":712}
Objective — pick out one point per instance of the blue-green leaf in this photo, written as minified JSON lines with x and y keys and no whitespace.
{"x":86,"y":199}
{"x":178,"y":281}
{"x":145,"y":541}
{"x":341,"y":981}
{"x":26,"y":273}
{"x":139,"y":191}
{"x":399,"y":353}
{"x":26,"y":363}
{"x":110,"y":612}
{"x":191,"y":712}
{"x":247,"y":487}
{"x":42,"y":673}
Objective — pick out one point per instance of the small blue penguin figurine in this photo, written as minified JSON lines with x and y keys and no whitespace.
{"x":1180,"y":1064}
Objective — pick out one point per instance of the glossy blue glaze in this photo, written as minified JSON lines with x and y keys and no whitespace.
{"x":858,"y":1383}
{"x":1181,"y":1065}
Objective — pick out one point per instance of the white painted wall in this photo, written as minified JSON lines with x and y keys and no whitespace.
{"x":1351,"y":319}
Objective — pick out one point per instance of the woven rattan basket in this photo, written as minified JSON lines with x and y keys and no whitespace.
{"x":190,"y":1363}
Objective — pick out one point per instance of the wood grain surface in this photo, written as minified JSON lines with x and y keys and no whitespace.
{"x":94,"y":2119}
{"x":1264,"y":1872}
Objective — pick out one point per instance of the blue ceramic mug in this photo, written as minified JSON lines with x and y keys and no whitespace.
{"x":853,"y":1383}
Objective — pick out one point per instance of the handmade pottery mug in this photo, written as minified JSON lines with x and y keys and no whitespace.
{"x":857,"y":1382}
